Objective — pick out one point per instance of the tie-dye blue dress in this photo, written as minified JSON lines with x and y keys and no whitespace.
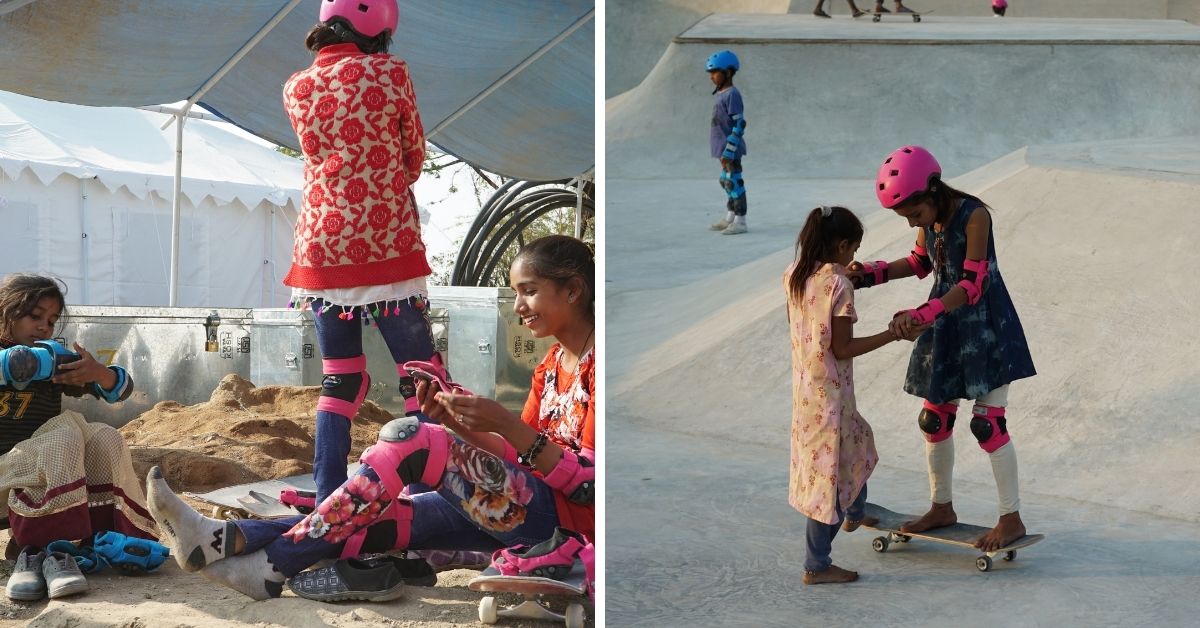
{"x":976,"y":348}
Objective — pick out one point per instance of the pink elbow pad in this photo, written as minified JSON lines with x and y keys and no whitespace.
{"x":574,"y":475}
{"x":919,"y":261}
{"x":975,"y":275}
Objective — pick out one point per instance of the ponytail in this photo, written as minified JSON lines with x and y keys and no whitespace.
{"x":824,"y":228}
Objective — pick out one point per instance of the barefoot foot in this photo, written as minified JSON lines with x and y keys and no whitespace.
{"x":1008,"y":529}
{"x":939,"y":515}
{"x":853,"y":524}
{"x":834,"y":574}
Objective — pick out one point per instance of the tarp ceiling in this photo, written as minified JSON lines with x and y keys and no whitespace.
{"x":536,"y":123}
{"x":126,"y":148}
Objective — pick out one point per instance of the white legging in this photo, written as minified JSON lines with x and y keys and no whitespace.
{"x":940,"y":457}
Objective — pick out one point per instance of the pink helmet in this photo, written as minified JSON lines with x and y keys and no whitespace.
{"x":1000,"y":4}
{"x":905,"y":172}
{"x":368,"y":17}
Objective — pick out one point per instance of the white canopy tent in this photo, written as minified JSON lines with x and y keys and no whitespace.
{"x":86,"y":194}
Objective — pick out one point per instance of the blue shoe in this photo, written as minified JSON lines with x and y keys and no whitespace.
{"x":129,"y":553}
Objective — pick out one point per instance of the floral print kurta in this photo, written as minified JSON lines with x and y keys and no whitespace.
{"x":833,"y":448}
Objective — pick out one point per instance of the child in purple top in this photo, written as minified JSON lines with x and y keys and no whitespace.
{"x":726,"y":141}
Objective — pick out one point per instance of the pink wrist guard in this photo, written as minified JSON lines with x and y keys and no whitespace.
{"x":874,"y":273}
{"x":575,"y":476}
{"x":928,"y":312}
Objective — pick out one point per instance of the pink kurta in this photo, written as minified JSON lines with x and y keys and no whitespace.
{"x":833,"y":449}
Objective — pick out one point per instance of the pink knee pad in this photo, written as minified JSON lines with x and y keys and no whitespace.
{"x":988,"y":426}
{"x":400,"y":511}
{"x":345,"y":385}
{"x":937,"y":421}
{"x":409,"y":451}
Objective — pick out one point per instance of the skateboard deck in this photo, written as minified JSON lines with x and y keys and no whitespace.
{"x":534,"y":590}
{"x":916,"y":16}
{"x":258,"y":500}
{"x":960,"y":534}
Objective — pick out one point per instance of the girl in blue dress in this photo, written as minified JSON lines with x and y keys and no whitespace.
{"x":976,"y":345}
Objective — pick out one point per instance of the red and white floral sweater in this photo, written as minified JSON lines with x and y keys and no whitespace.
{"x":356,"y":118}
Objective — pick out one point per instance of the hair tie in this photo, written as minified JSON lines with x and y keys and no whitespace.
{"x":826,"y":211}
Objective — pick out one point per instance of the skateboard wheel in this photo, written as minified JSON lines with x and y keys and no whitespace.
{"x":877,"y":18}
{"x":1010,"y":555}
{"x":983,"y":563}
{"x":574,"y":616}
{"x":916,"y":18}
{"x":487,"y":610}
{"x":879,"y":544}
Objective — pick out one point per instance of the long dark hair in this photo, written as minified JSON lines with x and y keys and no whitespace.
{"x":20,"y":293}
{"x":818,"y":241}
{"x":942,"y":196}
{"x":337,"y":31}
{"x":560,"y":258}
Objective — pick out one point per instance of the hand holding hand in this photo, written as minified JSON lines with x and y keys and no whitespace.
{"x":854,"y":272}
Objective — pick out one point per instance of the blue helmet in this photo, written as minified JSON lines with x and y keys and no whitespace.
{"x":724,"y":60}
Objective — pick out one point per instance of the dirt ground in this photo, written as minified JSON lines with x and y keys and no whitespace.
{"x":242,"y":434}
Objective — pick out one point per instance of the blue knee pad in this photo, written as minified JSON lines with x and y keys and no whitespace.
{"x":130,"y":554}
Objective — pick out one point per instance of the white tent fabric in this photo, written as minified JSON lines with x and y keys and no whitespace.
{"x":85,"y":194}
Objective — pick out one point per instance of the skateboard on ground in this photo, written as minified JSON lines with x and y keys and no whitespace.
{"x":960,"y":534}
{"x":916,"y":17}
{"x":260,"y":500}
{"x":535,"y":591}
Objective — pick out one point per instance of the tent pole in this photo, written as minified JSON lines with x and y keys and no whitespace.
{"x":183,"y":113}
{"x":173,"y":288}
{"x":83,"y":235}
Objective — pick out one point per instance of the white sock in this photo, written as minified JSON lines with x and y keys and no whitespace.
{"x":741,"y":220}
{"x":1004,"y":468}
{"x":195,"y":540}
{"x":729,"y":216}
{"x":940,"y":457}
{"x":249,"y":574}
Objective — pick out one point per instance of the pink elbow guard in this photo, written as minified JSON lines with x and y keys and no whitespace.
{"x":575,"y":476}
{"x":928,"y":312}
{"x":919,"y":261}
{"x":975,"y":276}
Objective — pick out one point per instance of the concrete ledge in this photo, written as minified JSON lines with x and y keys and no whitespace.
{"x":740,"y":28}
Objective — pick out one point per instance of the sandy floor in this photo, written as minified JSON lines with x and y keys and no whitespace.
{"x":242,"y":434}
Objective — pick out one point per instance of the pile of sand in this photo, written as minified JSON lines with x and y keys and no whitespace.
{"x":241,"y":434}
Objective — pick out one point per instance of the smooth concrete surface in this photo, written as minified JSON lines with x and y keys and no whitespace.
{"x":699,"y":398}
{"x":637,"y":32}
{"x":818,"y":108}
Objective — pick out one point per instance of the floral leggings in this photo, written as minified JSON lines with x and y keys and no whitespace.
{"x":483,"y":504}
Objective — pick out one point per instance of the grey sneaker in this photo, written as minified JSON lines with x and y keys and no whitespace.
{"x":720,"y":226}
{"x":734,"y":229}
{"x":63,"y":576}
{"x":27,"y":582}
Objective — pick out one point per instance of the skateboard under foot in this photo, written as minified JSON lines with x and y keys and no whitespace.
{"x":959,"y":534}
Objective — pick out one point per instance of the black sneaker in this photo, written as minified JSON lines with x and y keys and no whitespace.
{"x":350,"y":579}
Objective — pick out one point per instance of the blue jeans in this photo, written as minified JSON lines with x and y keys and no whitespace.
{"x":408,"y":336}
{"x":514,"y":508}
{"x":819,"y":536}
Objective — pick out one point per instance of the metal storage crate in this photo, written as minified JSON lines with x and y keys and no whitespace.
{"x":180,"y":354}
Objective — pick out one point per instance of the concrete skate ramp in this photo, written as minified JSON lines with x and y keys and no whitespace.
{"x":637,"y":32}
{"x":1095,"y":249}
{"x":822,"y":95}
